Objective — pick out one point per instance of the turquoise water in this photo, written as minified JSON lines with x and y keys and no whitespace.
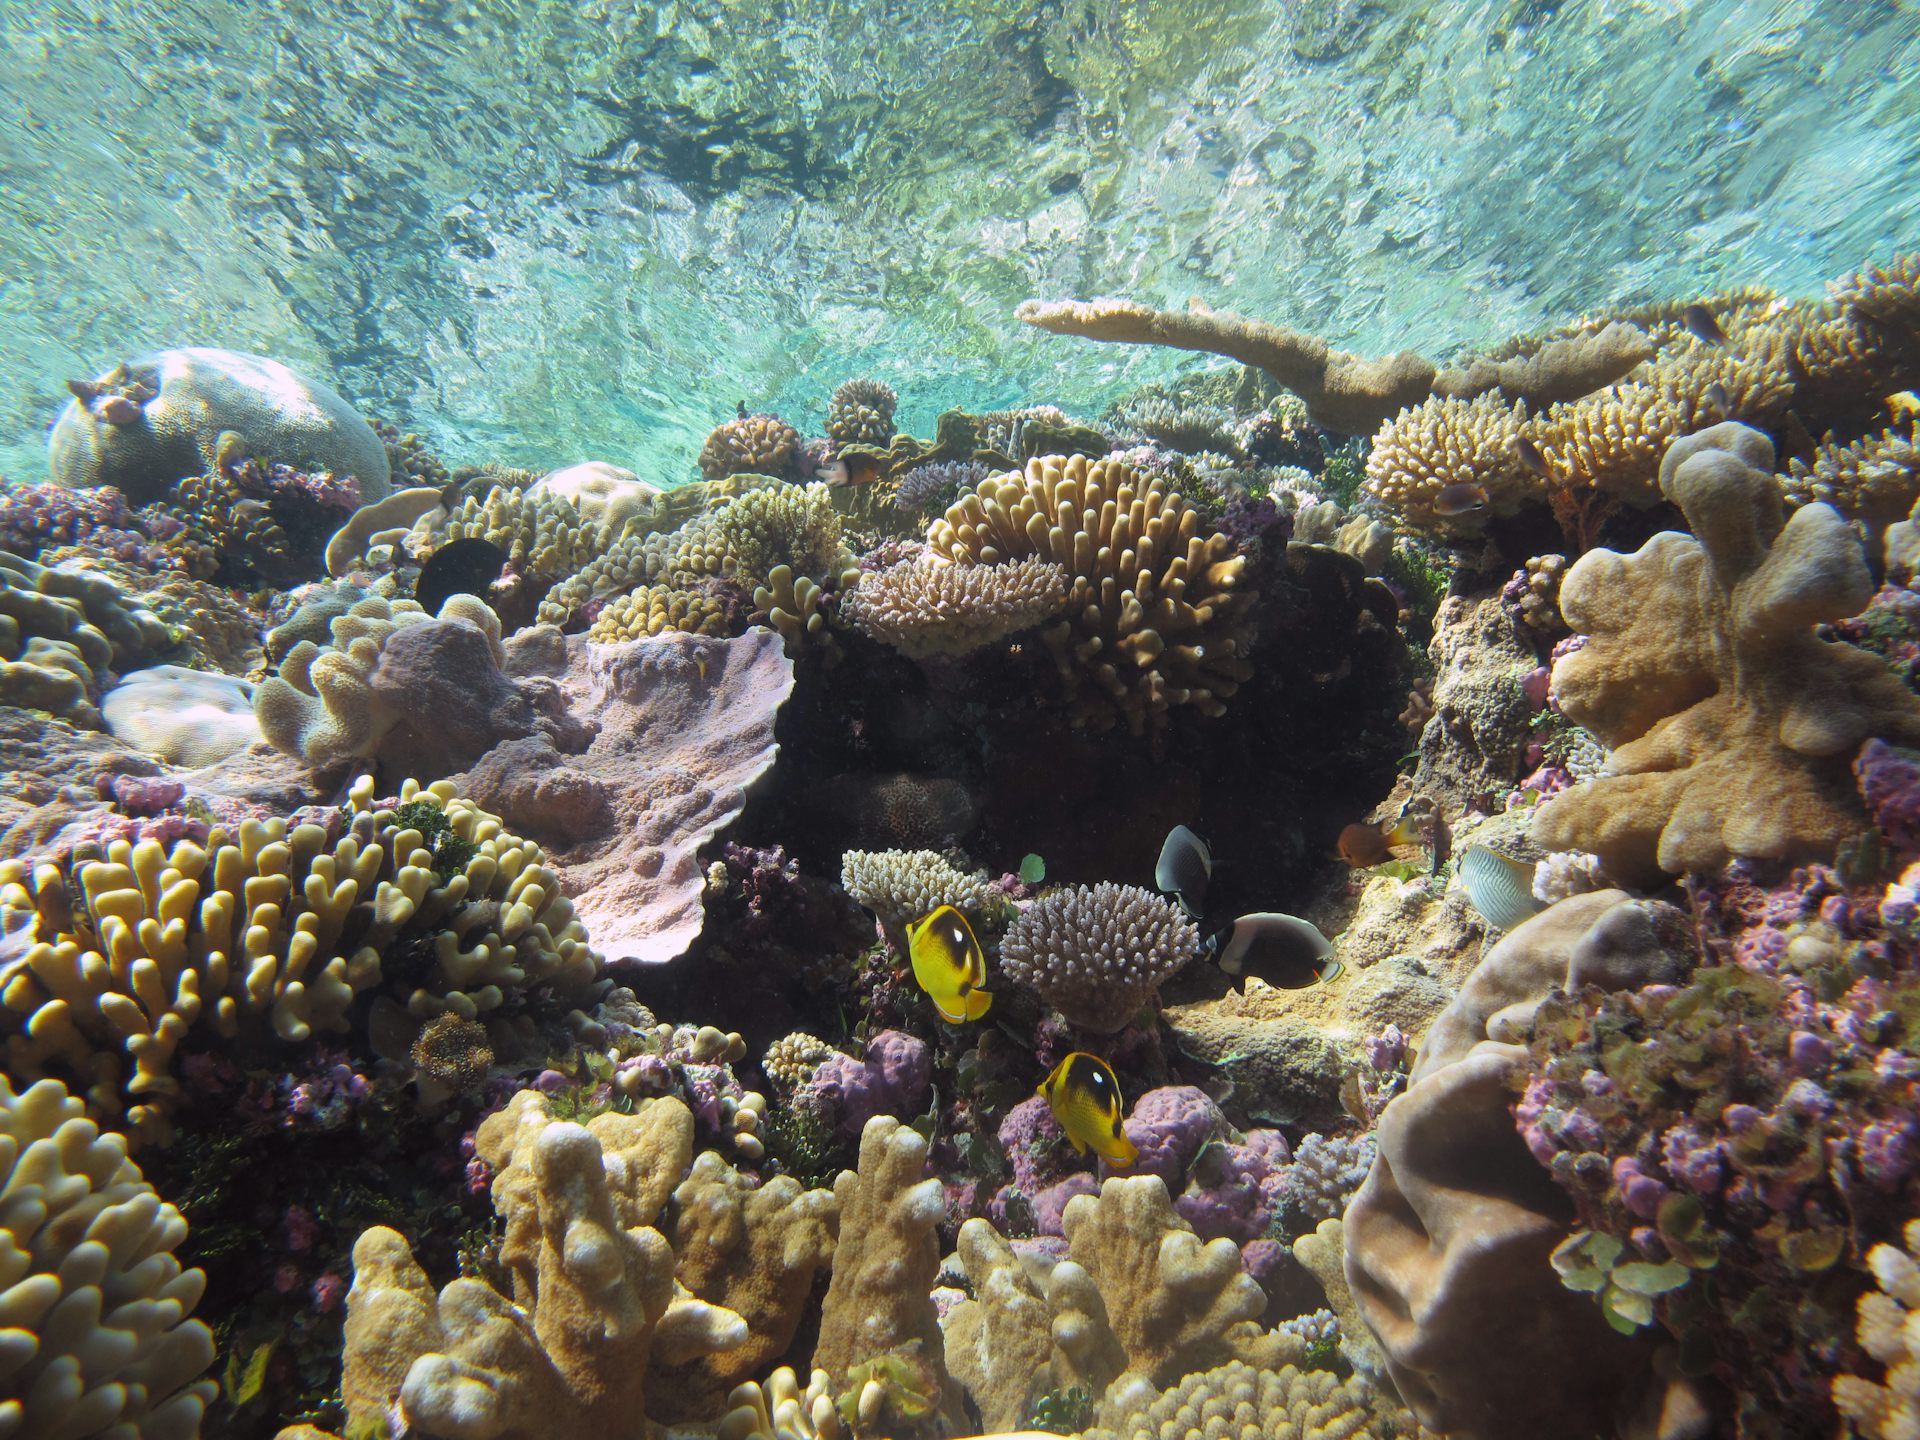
{"x":547,"y":232}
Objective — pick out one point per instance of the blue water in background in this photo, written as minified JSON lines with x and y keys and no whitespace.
{"x":544,"y":232}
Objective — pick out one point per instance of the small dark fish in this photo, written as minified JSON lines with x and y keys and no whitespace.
{"x":1529,"y":455}
{"x":1703,"y":327}
{"x":1065,"y":182}
{"x":1460,"y":498}
{"x":1185,"y":867}
{"x":466,"y":567}
{"x":1363,"y":846}
{"x":1275,"y":945}
{"x":1717,"y":398}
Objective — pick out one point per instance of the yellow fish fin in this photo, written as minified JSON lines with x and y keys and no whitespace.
{"x":951,"y":1017}
{"x":978,"y":1003}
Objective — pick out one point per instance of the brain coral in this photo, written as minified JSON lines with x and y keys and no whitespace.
{"x":155,"y":420}
{"x":1733,"y":722}
{"x":270,"y":929}
{"x":1155,"y":609}
{"x":1098,"y":954}
{"x":923,"y":610}
{"x":60,"y":633}
{"x":750,"y":445}
{"x":96,"y":1339}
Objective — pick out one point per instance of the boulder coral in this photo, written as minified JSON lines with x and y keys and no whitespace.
{"x":176,"y":405}
{"x":1447,"y":1242}
{"x":1156,"y":606}
{"x":186,"y":717}
{"x":1733,"y":723}
{"x":62,"y":633}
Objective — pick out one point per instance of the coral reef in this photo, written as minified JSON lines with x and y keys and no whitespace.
{"x":1097,"y":954}
{"x":1155,"y":608}
{"x":1732,"y":722}
{"x":98,"y":1339}
{"x":178,"y":404}
{"x":1884,"y":1412}
{"x":923,"y":610}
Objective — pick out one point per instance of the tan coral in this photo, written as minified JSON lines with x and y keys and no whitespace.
{"x":752,"y":444}
{"x":1243,"y":1402}
{"x":900,"y":886}
{"x":782,"y":1410}
{"x":1889,"y":1410}
{"x":543,"y":533}
{"x":394,"y":513}
{"x":1445,"y":442}
{"x":656,"y":609}
{"x":791,"y":604}
{"x":861,"y":413}
{"x":1734,"y":724}
{"x":93,"y":1304}
{"x":265,"y":929}
{"x":1155,"y":610}
{"x":791,"y":1060}
{"x":923,"y":610}
{"x":886,"y":1260}
{"x":999,"y":1341}
{"x":1875,"y":480}
{"x":61,"y":632}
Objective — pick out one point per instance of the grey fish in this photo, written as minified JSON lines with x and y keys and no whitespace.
{"x":1703,"y":327}
{"x":1272,"y":936}
{"x":1529,"y":455}
{"x":1500,"y":887}
{"x":1185,"y":867}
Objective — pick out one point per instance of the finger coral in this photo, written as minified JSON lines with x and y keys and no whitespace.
{"x":95,"y":1307}
{"x":1245,"y":1403}
{"x":924,"y":610}
{"x":752,"y":444}
{"x":900,"y":886}
{"x":543,"y":533}
{"x":270,"y":929}
{"x":1097,"y":954}
{"x":1889,"y":1411}
{"x":1446,"y":442}
{"x":655,"y":609}
{"x":1155,"y":608}
{"x":1733,"y":723}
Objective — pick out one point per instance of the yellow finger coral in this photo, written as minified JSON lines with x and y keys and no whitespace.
{"x":270,"y":929}
{"x":1734,"y":724}
{"x":656,"y":609}
{"x":1155,"y":607}
{"x":1245,"y":1403}
{"x":923,"y":610}
{"x":93,"y":1305}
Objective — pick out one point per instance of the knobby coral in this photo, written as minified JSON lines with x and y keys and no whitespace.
{"x":1155,"y":608}
{"x":861,"y":413}
{"x":1889,"y":1411}
{"x":924,"y":610}
{"x":1097,"y":954}
{"x":751,"y":444}
{"x":1733,"y":722}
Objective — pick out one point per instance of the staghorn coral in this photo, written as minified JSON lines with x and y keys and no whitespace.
{"x":751,"y":445}
{"x":1155,"y":609}
{"x":1732,"y":723}
{"x":1445,"y":442}
{"x":1243,"y":1402}
{"x":655,"y":609}
{"x":1875,"y":480}
{"x":1889,"y":1411}
{"x":95,"y":1305}
{"x":1343,"y":392}
{"x":1097,"y":954}
{"x":900,"y":886}
{"x":886,"y":1259}
{"x":924,"y":609}
{"x":271,"y":929}
{"x":861,"y":413}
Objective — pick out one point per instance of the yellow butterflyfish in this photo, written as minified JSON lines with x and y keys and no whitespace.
{"x":949,"y":964}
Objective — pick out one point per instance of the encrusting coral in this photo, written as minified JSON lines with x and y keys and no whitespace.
{"x":900,"y":886}
{"x":1155,"y":608}
{"x":923,"y":610}
{"x":270,"y":928}
{"x":93,"y":1305}
{"x":1733,"y":723}
{"x":1097,"y":954}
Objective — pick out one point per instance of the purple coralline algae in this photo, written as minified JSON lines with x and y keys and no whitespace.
{"x":1035,"y":1145}
{"x":1168,"y":1126}
{"x":891,"y":1079}
{"x":1889,"y":777}
{"x":1230,"y":1193}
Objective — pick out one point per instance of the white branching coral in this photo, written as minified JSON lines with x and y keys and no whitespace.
{"x":1887,"y":1331}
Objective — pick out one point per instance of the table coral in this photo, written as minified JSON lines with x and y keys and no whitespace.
{"x":1155,"y":606}
{"x":185,"y":401}
{"x":1733,"y":722}
{"x":923,"y":610}
{"x":1097,"y":954}
{"x":271,"y":928}
{"x":98,"y":1342}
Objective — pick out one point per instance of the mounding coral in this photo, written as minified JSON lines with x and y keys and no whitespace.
{"x":1733,"y":723}
{"x":1156,"y":609}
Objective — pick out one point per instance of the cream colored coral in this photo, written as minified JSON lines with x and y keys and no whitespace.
{"x":1441,"y":443}
{"x":1876,"y":479}
{"x":1000,"y":1340}
{"x":94,"y":1335}
{"x":791,"y":1060}
{"x":1886,"y":1331}
{"x":1734,"y":724}
{"x":1239,"y":1402}
{"x":1155,"y":608}
{"x":781,"y":1410}
{"x":923,"y":609}
{"x":265,"y":928}
{"x":321,"y":706}
{"x":791,"y":604}
{"x":388,"y":516}
{"x":1323,"y":1255}
{"x":753,"y":444}
{"x":656,"y":609}
{"x":888,"y":1255}
{"x":543,"y":533}
{"x":900,"y":886}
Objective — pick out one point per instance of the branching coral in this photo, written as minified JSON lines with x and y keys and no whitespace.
{"x":1733,"y":723}
{"x":274,"y":929}
{"x":1422,"y":451}
{"x":924,"y":609}
{"x":752,"y":444}
{"x":1889,"y":1411}
{"x":93,"y":1304}
{"x":656,"y":609}
{"x":542,"y":532}
{"x":1244,"y":1402}
{"x":1098,"y":954}
{"x":1876,"y":479}
{"x":1155,"y":608}
{"x":861,"y":413}
{"x":900,"y":886}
